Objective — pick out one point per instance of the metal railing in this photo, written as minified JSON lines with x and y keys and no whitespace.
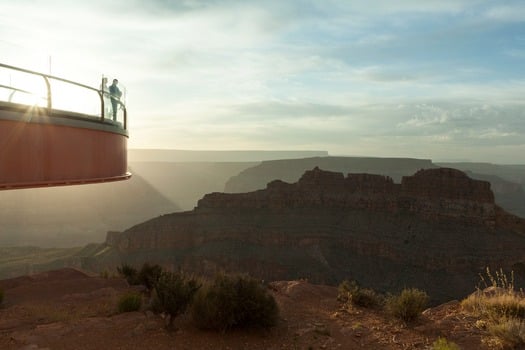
{"x":50,"y":95}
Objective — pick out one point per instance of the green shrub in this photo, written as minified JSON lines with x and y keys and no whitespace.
{"x":129,"y":302}
{"x":173,"y":293}
{"x":408,"y":305}
{"x":353,"y":293}
{"x":129,"y":273}
{"x":444,"y":344}
{"x":234,"y":302}
{"x":149,"y":275}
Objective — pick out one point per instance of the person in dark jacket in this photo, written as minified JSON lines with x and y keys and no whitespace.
{"x":115,"y":94}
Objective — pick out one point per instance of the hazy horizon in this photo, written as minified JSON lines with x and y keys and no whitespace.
{"x":242,"y":155}
{"x":440,"y":80}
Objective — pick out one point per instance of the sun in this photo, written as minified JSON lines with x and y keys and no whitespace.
{"x":34,"y":89}
{"x":21,"y":87}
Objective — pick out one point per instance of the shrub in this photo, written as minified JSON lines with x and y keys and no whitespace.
{"x":500,"y":300}
{"x":173,"y":293}
{"x":443,"y":344}
{"x":353,"y":293}
{"x":510,"y":331}
{"x":149,"y":275}
{"x":234,"y":302}
{"x":129,"y":302}
{"x":408,"y":305}
{"x":1,"y":296}
{"x":501,"y":306}
{"x":129,"y":273}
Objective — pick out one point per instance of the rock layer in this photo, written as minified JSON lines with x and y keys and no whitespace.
{"x":436,"y":230}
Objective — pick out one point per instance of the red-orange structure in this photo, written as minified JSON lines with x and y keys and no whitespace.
{"x":42,"y":146}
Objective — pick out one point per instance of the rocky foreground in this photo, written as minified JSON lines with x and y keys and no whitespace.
{"x":68,"y":309}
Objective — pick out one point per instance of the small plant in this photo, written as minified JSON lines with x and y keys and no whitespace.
{"x":408,"y":305}
{"x":129,"y":273}
{"x":173,"y":294}
{"x":444,"y":344}
{"x":129,"y":302}
{"x":501,"y":308}
{"x":510,"y":331}
{"x":149,"y":275}
{"x":499,"y":300}
{"x":353,"y":293}
{"x":234,"y":302}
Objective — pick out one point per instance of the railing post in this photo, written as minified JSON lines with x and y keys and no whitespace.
{"x":125,"y":118}
{"x":49,"y":100}
{"x":102,"y":107}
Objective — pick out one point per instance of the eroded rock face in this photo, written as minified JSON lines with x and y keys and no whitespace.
{"x":436,"y":230}
{"x":434,"y":194}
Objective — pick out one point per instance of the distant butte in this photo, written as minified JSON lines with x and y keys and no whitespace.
{"x":436,"y":230}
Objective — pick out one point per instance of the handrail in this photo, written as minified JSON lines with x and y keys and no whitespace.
{"x":49,"y":95}
{"x":15,"y":89}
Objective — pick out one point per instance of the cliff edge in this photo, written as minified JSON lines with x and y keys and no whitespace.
{"x":436,"y":230}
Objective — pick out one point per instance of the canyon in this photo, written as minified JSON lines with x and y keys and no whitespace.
{"x":436,"y":230}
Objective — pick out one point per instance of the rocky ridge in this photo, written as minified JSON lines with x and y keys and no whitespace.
{"x":436,"y":230}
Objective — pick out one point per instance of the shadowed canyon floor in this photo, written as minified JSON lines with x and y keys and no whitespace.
{"x":67,"y":309}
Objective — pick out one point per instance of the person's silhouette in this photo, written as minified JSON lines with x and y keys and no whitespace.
{"x":115,"y":94}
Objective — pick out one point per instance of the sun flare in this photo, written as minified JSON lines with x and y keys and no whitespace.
{"x":38,"y":90}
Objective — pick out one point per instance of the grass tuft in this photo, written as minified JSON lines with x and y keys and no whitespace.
{"x":444,"y":344}
{"x":129,"y":302}
{"x":500,"y":307}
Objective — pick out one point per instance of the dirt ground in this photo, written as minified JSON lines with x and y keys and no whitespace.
{"x":68,"y":309}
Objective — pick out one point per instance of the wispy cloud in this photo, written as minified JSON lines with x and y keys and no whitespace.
{"x":407,"y":78}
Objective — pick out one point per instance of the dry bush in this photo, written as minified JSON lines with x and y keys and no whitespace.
{"x":351,"y":292}
{"x":408,"y":305}
{"x":500,"y":280}
{"x":498,"y":300}
{"x":501,"y":306}
{"x":173,"y":294}
{"x":510,"y":331}
{"x":234,"y":302}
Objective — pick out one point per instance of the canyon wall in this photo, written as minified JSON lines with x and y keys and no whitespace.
{"x":435,"y":230}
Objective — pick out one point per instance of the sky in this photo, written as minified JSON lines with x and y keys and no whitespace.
{"x":441,"y":80}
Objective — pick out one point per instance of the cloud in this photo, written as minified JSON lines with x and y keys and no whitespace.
{"x":514,"y":12}
{"x":404,"y":76}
